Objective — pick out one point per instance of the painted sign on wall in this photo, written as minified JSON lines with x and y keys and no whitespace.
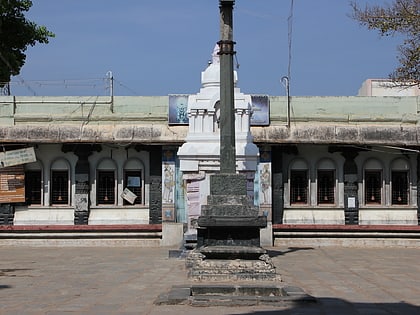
{"x":12,"y":184}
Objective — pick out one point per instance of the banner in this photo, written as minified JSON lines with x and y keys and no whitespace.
{"x":17,"y":157}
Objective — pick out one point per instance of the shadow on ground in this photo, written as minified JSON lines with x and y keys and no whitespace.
{"x":275,"y":253}
{"x":334,"y":306}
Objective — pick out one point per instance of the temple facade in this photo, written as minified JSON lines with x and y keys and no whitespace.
{"x":351,"y":160}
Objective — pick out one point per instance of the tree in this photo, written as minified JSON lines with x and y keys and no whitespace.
{"x":16,"y":34}
{"x":403,"y":17}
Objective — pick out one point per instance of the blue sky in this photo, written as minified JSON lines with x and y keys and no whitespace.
{"x":160,"y":47}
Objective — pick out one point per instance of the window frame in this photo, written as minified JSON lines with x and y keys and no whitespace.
{"x":110,"y":191}
{"x":304,"y":189}
{"x":405,"y":192}
{"x":137,"y":191}
{"x":330,"y":188}
{"x":30,"y":182}
{"x":63,"y":191}
{"x":378,"y":191}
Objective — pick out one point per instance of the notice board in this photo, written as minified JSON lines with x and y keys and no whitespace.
{"x":12,"y":184}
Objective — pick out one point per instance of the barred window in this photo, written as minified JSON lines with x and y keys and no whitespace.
{"x":298,"y":186}
{"x":33,"y":186}
{"x":399,"y":187}
{"x":132,"y":181}
{"x":326,"y":187}
{"x":59,"y":187}
{"x":373,"y":187}
{"x":105,"y":189}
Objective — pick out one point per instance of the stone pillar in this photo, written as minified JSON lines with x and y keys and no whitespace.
{"x":168,"y":187}
{"x":155,"y":190}
{"x":265,"y":184}
{"x":277,"y":185}
{"x":351,"y":199}
{"x":82,"y":181}
{"x":227,"y":98}
{"x":81,"y":196}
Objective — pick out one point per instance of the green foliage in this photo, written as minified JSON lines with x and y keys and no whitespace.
{"x":403,"y":17}
{"x":16,"y":34}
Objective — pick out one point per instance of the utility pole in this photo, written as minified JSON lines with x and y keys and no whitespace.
{"x":227,"y":97}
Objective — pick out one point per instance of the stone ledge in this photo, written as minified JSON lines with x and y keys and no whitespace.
{"x":346,"y":228}
{"x":234,"y":295}
{"x":227,"y":210}
{"x":81,"y":228}
{"x":235,"y":221}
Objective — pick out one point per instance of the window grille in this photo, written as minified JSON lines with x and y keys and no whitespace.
{"x":326,"y":187}
{"x":105,"y":190}
{"x":299,"y":187}
{"x":373,"y":187}
{"x":399,"y":187}
{"x":60,"y":188}
{"x":33,"y":187}
{"x":132,"y":181}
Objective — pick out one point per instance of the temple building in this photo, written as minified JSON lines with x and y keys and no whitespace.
{"x":321,"y":160}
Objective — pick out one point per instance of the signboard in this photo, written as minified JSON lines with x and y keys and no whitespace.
{"x":178,"y":110}
{"x":133,"y":181}
{"x":260,"y":110}
{"x":12,"y":184}
{"x":17,"y":157}
{"x":129,"y":195}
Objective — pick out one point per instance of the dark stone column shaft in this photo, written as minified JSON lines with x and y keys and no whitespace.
{"x":155,"y":191}
{"x":227,"y":98}
{"x":277,"y":199}
{"x":351,"y":209}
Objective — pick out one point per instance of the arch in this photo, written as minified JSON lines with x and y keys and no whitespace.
{"x":106,"y":182}
{"x":34,"y":190}
{"x":326,"y":164}
{"x":373,"y":182}
{"x":133,"y":164}
{"x":326,"y":182}
{"x":299,"y":182}
{"x":298,"y":164}
{"x":60,"y":182}
{"x":400,"y":182}
{"x":106,"y":164}
{"x":133,"y":180}
{"x":373,"y":164}
{"x":400,"y":164}
{"x":34,"y":166}
{"x":60,"y":164}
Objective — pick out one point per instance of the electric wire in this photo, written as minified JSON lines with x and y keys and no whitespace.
{"x":18,"y":76}
{"x":126,"y":87}
{"x":96,"y":84}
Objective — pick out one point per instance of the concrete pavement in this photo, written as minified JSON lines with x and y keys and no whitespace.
{"x":112,"y":280}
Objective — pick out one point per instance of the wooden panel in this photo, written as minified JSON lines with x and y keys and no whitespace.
{"x":12,"y":184}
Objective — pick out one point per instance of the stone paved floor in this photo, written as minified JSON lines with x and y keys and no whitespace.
{"x":115,"y":280}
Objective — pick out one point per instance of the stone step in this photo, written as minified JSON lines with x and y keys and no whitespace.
{"x":229,"y":210}
{"x":235,"y":295}
{"x":232,"y":221}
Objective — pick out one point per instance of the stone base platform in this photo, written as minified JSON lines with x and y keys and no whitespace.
{"x":202,"y":269}
{"x":234,"y":295}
